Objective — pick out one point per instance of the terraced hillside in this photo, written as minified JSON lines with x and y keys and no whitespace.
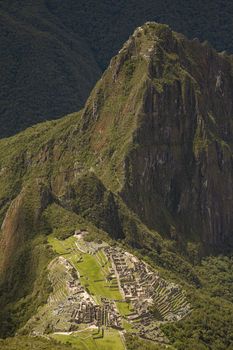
{"x":96,"y":286}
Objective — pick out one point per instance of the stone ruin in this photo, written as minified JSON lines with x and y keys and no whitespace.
{"x":141,"y":287}
{"x":99,"y":315}
{"x":145,"y":289}
{"x":80,"y":308}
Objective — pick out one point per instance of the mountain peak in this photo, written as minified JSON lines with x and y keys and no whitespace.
{"x":162,"y":113}
{"x":145,"y":38}
{"x":153,"y":31}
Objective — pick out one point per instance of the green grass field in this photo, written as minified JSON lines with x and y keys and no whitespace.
{"x":124,"y":308}
{"x":91,"y":340}
{"x":62,"y":247}
{"x":93,"y":277}
{"x":93,"y":269}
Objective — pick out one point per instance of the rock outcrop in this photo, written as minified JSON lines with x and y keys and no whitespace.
{"x":176,"y":100}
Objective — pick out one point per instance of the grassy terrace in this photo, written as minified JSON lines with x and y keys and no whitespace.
{"x":93,"y":270}
{"x":124,"y":308}
{"x":92,"y":340}
{"x":93,"y":278}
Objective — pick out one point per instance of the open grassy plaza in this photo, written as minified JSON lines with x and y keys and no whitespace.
{"x":93,"y":340}
{"x":93,"y":269}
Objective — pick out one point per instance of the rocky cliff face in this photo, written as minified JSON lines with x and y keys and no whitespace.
{"x":178,"y":169}
{"x":184,"y":154}
{"x":186,"y":140}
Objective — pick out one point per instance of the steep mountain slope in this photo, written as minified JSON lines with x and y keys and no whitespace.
{"x":171,"y":104}
{"x":49,"y":48}
{"x":147,"y":162}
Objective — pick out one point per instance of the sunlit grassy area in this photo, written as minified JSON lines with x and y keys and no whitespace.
{"x":93,"y":269}
{"x":62,"y":247}
{"x":124,"y":308}
{"x":94,"y":278}
{"x":92,"y":340}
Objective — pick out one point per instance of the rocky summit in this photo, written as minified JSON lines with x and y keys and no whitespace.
{"x":146,"y":170}
{"x":53,"y":51}
{"x":171,"y":157}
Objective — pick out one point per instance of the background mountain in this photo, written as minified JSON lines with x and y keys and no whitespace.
{"x":146,"y":163}
{"x":46,"y":70}
{"x":52,"y":51}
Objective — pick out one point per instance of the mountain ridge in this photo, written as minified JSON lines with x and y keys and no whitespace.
{"x":207,"y":130}
{"x":50,"y":65}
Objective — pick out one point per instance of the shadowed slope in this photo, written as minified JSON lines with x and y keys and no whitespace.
{"x":46,"y":70}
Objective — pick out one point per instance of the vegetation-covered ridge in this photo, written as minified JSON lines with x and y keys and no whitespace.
{"x":148,"y":163}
